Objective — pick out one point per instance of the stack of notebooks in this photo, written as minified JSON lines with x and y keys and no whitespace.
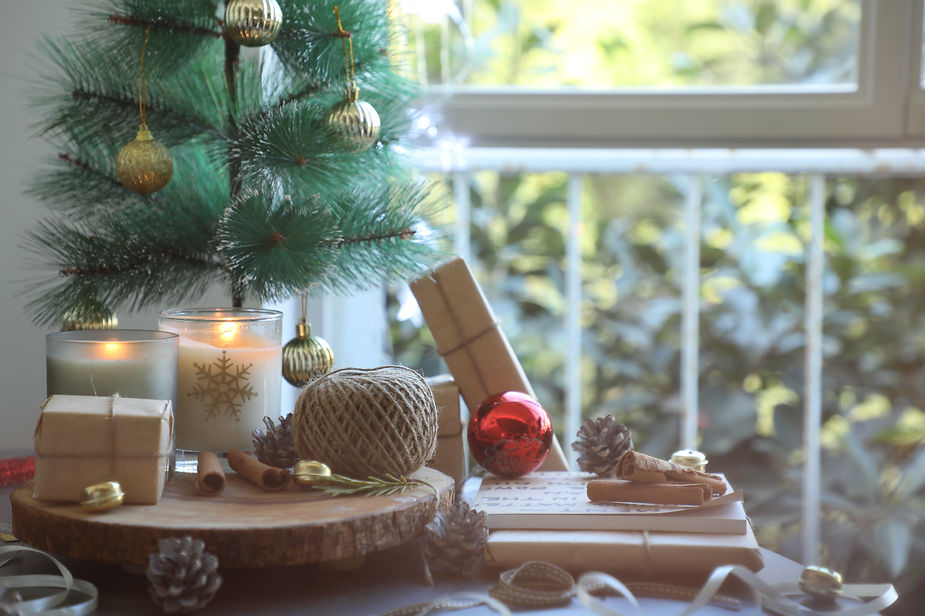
{"x":547,"y":516}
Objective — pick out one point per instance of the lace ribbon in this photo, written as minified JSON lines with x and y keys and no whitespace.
{"x":47,"y":605}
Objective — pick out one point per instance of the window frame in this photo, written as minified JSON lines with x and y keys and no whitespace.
{"x":886,"y":109}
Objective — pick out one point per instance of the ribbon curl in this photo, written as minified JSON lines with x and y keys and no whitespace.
{"x":47,"y":605}
{"x":542,"y":584}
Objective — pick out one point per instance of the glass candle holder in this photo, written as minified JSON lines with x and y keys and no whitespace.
{"x":230,"y":364}
{"x":133,"y":363}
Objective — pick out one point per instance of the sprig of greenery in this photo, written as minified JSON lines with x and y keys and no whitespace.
{"x":339,"y":485}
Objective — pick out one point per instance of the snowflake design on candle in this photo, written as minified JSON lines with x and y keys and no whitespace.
{"x":224,"y":390}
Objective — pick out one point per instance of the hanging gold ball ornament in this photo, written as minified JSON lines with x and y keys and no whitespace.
{"x":306,"y":357}
{"x":144,"y":165}
{"x":253,"y":23}
{"x":356,"y":121}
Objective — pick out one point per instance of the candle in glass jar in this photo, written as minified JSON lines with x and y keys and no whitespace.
{"x":229,"y":370}
{"x":132,"y":363}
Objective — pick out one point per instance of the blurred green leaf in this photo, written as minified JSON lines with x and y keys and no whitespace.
{"x":765,"y":17}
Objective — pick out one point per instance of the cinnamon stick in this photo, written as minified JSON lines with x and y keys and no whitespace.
{"x":623,"y":491}
{"x":639,"y":467}
{"x":210,"y":479}
{"x":265,"y":476}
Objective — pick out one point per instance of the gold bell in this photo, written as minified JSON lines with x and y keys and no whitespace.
{"x":102,"y":496}
{"x":822,"y":584}
{"x":310,"y":473}
{"x":690,"y":458}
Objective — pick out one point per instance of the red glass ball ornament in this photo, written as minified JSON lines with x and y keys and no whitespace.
{"x":510,"y":434}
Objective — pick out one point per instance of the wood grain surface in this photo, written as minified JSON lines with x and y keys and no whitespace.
{"x":244,"y":526}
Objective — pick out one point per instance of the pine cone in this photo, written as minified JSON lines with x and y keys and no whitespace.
{"x":8,"y":601}
{"x":455,"y":539}
{"x":183,"y":576}
{"x":600,"y":445}
{"x":276,"y":447}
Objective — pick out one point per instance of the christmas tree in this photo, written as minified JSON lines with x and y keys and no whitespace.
{"x":271,"y":190}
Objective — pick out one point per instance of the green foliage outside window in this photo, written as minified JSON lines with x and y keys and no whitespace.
{"x":753,"y":243}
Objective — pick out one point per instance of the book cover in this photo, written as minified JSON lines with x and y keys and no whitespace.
{"x":557,"y":501}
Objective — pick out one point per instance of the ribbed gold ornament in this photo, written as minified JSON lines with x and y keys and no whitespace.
{"x":89,"y":318}
{"x":306,"y":357}
{"x":253,"y":23}
{"x":356,"y":121}
{"x":144,"y":165}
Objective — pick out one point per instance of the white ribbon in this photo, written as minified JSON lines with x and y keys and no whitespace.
{"x":774,"y":598}
{"x":47,"y":606}
{"x":463,"y":600}
{"x":595,"y":580}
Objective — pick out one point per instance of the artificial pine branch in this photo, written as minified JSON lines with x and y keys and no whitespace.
{"x":309,"y":43}
{"x":180,"y":30}
{"x":172,"y":26}
{"x":309,"y":213}
{"x":339,"y":485}
{"x":102,"y":98}
{"x":277,"y":251}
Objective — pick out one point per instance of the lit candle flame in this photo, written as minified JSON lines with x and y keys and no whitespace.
{"x":112,"y":350}
{"x":227,"y":331}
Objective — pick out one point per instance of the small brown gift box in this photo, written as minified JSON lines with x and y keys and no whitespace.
{"x":82,"y":440}
{"x":451,"y":455}
{"x":471,"y":341}
{"x":653,"y":556}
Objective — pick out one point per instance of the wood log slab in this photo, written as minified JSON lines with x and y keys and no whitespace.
{"x":244,"y":526}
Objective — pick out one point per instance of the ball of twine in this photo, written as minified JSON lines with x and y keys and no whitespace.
{"x":367,"y":422}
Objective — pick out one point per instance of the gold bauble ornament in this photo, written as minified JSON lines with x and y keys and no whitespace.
{"x":356,"y":121}
{"x":306,"y":357}
{"x":97,"y":317}
{"x":253,"y":23}
{"x":144,"y":165}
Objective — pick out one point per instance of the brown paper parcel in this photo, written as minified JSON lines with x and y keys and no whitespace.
{"x":82,"y":440}
{"x":654,"y":556}
{"x":451,"y":456}
{"x":471,"y":341}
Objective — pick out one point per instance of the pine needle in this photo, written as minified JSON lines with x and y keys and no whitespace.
{"x":339,"y":485}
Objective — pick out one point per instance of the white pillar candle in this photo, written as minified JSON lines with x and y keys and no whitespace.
{"x":229,"y":369}
{"x":132,"y":363}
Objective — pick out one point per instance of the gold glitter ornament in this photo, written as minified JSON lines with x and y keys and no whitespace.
{"x":253,"y":23}
{"x":306,"y":357}
{"x":356,"y":121}
{"x":144,"y":165}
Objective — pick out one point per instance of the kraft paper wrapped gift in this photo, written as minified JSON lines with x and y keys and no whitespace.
{"x":470,"y":340}
{"x":651,"y":555}
{"x":82,"y":440}
{"x":451,"y":455}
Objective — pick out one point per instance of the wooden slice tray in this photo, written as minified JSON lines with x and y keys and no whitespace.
{"x":244,"y":526}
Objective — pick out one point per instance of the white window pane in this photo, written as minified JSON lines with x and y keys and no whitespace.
{"x":601,"y":44}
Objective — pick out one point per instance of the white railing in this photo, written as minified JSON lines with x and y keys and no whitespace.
{"x":459,"y":162}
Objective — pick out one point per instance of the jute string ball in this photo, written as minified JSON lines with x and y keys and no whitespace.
{"x":367,"y":422}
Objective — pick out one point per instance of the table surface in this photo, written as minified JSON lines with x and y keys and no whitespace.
{"x":388,"y":579}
